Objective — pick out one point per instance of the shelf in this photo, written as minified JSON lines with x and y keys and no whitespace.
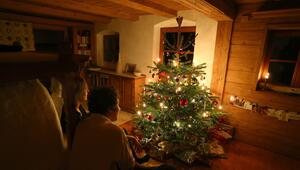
{"x":27,"y":57}
{"x":82,"y":41}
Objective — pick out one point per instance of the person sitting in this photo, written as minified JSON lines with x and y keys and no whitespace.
{"x":98,"y":143}
{"x":81,"y":96}
{"x":77,"y":110}
{"x":56,"y":95}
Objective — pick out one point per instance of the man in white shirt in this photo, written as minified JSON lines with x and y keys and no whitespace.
{"x":98,"y":143}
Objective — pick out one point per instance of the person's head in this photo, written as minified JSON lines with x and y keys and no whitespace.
{"x":56,"y":87}
{"x":81,"y":90}
{"x":104,"y":100}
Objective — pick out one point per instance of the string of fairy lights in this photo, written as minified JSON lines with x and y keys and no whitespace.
{"x":181,"y":83}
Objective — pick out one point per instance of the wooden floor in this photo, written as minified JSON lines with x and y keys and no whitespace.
{"x":241,"y":156}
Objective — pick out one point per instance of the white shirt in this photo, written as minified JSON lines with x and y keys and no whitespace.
{"x":100,"y":145}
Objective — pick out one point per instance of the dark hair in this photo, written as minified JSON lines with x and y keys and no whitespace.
{"x":102,"y":99}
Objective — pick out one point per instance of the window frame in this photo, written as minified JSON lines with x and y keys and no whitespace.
{"x":294,"y":87}
{"x":164,"y":30}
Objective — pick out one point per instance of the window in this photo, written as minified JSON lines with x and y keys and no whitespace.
{"x":169,"y":42}
{"x":282,"y":60}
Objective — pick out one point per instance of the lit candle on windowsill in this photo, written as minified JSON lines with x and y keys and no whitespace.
{"x":267,"y":76}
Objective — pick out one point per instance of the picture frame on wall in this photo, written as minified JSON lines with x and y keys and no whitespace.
{"x":130,"y":68}
{"x":20,"y":33}
{"x":111,"y":48}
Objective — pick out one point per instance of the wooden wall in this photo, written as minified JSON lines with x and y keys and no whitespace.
{"x":245,"y":58}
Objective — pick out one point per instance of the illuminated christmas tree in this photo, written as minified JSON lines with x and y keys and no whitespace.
{"x":178,"y":112}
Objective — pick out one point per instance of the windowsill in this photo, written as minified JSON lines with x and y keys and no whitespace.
{"x":27,"y":57}
{"x":281,"y":89}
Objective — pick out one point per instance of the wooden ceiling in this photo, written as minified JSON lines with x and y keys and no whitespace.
{"x":103,"y":11}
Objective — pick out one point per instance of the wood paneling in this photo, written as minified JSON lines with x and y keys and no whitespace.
{"x":245,"y":51}
{"x":147,"y":6}
{"x":104,"y":10}
{"x":240,"y":77}
{"x":245,"y":59}
{"x":248,"y":37}
{"x":170,"y":3}
{"x":221,"y":57}
{"x":249,"y":1}
{"x":276,"y":13}
{"x":218,"y":10}
{"x":241,"y":64}
{"x":53,"y":12}
{"x":40,"y":20}
{"x":266,"y":132}
{"x":84,"y":7}
{"x":249,"y":26}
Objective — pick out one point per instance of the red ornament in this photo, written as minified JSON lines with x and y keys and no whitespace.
{"x":163,"y":74}
{"x":183,"y":102}
{"x":180,"y":52}
{"x":215,"y":103}
{"x":158,"y":97}
{"x":149,"y":117}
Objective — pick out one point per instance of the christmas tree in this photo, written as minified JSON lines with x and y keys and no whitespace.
{"x":178,"y":112}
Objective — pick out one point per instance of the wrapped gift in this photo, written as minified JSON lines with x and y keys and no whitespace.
{"x":187,"y":156}
{"x":222,"y":132}
{"x":216,"y":150}
{"x":157,"y":153}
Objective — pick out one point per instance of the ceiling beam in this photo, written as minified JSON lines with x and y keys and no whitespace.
{"x":42,"y":10}
{"x":147,"y":6}
{"x":86,"y":8}
{"x":220,"y":10}
{"x":40,"y":20}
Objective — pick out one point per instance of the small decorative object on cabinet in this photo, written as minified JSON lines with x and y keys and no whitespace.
{"x":83,"y":44}
{"x":130,"y":68}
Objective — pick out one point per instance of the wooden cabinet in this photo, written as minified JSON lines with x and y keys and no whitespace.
{"x":128,"y":86}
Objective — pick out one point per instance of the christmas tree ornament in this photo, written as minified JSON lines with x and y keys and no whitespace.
{"x":183,"y":102}
{"x":215,"y":103}
{"x":149,"y":117}
{"x":163,"y":74}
